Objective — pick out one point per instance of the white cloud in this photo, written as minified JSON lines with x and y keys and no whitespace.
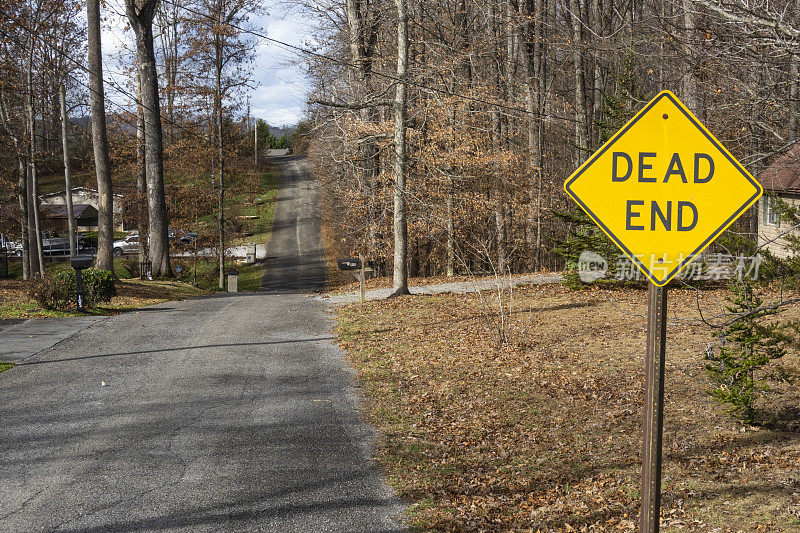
{"x":282,"y":86}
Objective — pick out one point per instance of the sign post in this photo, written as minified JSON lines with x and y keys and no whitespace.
{"x":361,"y":278}
{"x":662,"y":188}
{"x":654,"y":407}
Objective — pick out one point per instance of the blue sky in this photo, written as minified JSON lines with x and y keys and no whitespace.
{"x":279,"y":97}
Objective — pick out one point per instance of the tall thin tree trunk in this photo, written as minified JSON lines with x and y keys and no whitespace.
{"x":689,"y":89}
{"x":794,"y":95}
{"x":400,"y":280}
{"x":451,"y":185}
{"x":579,"y":79}
{"x":34,"y":185}
{"x":73,"y":248}
{"x":497,"y":143}
{"x":535,"y":65}
{"x":102,"y":167}
{"x":141,"y":176}
{"x":22,"y":196}
{"x":33,"y":247}
{"x":362,"y":38}
{"x":220,"y":157}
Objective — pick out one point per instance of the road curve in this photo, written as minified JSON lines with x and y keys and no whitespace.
{"x":224,"y":413}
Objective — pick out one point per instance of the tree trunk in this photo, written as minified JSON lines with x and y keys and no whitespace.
{"x":73,"y":249}
{"x":362,"y":36}
{"x":451,"y":185}
{"x":497,"y":143}
{"x":102,"y":167}
{"x":689,"y":89}
{"x":400,"y":280}
{"x":33,"y":248}
{"x":141,"y":20}
{"x":220,"y":162}
{"x":141,"y":176}
{"x":794,"y":94}
{"x":579,"y":80}
{"x":22,"y":196}
{"x":533,"y":33}
{"x":33,"y":192}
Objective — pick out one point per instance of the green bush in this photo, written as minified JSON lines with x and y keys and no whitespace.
{"x":57,"y":291}
{"x":98,"y":285}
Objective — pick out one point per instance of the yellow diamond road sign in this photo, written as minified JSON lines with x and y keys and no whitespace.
{"x":663,"y":188}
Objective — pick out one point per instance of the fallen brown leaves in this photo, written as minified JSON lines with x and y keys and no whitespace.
{"x":543,"y":433}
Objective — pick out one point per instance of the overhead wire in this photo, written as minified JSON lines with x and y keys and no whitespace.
{"x":294,"y":48}
{"x":86,"y":85}
{"x":393,"y":77}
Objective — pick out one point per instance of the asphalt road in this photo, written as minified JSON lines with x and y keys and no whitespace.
{"x":225,"y":413}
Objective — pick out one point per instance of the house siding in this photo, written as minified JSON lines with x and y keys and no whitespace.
{"x":769,"y":236}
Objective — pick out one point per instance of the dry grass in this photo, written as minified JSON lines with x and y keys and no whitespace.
{"x":544,"y":433}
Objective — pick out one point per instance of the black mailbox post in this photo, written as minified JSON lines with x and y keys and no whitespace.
{"x":80,"y":263}
{"x":353,"y":264}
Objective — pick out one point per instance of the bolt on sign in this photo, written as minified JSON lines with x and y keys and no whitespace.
{"x":663,"y":188}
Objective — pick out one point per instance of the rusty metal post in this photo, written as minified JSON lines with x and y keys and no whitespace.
{"x":654,"y":408}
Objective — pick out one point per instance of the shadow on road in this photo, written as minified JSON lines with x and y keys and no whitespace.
{"x":181,"y":348}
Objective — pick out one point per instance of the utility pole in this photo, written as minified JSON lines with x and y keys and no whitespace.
{"x":73,"y":250}
{"x":255,"y":144}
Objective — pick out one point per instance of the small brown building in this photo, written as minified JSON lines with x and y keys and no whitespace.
{"x":782,"y":178}
{"x":54,"y":217}
{"x":83,"y":195}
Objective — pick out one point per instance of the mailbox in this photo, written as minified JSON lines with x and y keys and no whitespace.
{"x":351,"y":263}
{"x":79,"y":263}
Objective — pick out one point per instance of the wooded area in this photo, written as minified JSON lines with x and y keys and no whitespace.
{"x":503,"y":99}
{"x":445,"y":128}
{"x":178,"y":111}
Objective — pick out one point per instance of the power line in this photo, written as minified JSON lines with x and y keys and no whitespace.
{"x":81,"y":66}
{"x":326,"y":57}
{"x":298,"y":50}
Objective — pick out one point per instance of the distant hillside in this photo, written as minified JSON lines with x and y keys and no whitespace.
{"x":278,"y":131}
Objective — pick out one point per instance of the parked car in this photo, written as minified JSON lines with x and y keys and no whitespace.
{"x":128,"y":245}
{"x":187,"y":237}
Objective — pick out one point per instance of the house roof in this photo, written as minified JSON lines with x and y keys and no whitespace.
{"x":60,"y":211}
{"x":783,"y":175}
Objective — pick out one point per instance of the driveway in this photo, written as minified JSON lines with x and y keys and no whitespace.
{"x":224,"y":413}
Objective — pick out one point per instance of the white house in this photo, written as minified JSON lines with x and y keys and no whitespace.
{"x":782,"y":178}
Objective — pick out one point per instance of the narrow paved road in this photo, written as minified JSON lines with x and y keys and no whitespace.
{"x":225,"y":413}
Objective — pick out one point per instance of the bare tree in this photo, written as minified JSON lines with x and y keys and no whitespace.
{"x":221,"y":48}
{"x":400,"y":280}
{"x":105,"y":223}
{"x":34,"y":221}
{"x":67,"y":173}
{"x":140,"y":15}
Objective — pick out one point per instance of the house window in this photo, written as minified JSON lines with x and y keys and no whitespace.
{"x":771,"y":216}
